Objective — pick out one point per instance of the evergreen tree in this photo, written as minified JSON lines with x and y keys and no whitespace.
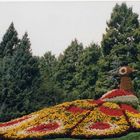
{"x":23,"y":82}
{"x":87,"y":72}
{"x":118,"y":45}
{"x":47,"y":65}
{"x":7,"y":46}
{"x":120,"y":28}
{"x":66,"y":68}
{"x":9,"y":41}
{"x":136,"y":64}
{"x":50,"y":93}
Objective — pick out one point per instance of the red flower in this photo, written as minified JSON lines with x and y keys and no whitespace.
{"x":98,"y":102}
{"x":129,"y":108}
{"x":75,"y":109}
{"x":117,"y":92}
{"x":100,"y":125}
{"x":14,"y":121}
{"x":44,"y":127}
{"x":111,"y":111}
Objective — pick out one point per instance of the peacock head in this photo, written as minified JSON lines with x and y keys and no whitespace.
{"x":126,"y":70}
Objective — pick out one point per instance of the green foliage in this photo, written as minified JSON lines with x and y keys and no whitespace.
{"x":87,"y":71}
{"x":9,"y":41}
{"x":49,"y":92}
{"x":19,"y":82}
{"x":120,"y":28}
{"x":119,"y":46}
{"x":67,"y":68}
{"x":7,"y":45}
{"x":47,"y":65}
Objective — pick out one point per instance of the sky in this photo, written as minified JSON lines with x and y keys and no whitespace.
{"x":52,"y":26}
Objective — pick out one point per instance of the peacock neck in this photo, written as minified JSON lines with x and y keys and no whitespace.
{"x":126,"y":83}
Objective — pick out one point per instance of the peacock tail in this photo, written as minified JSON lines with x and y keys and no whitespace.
{"x":114,"y":114}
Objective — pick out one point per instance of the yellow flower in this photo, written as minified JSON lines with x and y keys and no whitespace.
{"x":111,"y":105}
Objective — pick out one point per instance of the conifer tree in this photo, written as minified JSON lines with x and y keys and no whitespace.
{"x":47,"y":65}
{"x":87,"y":72}
{"x":23,"y":82}
{"x":7,"y":46}
{"x":118,"y":45}
{"x":50,"y":93}
{"x":9,"y":41}
{"x":66,"y":68}
{"x":120,"y":28}
{"x":136,"y":64}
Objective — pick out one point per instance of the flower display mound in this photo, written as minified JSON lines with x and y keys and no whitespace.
{"x":79,"y":119}
{"x":120,"y":96}
{"x":55,"y":121}
{"x":51,"y":126}
{"x":105,"y":120}
{"x":4,"y":127}
{"x":89,"y":104}
{"x":133,"y":116}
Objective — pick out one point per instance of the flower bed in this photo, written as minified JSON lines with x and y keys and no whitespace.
{"x":133,"y":115}
{"x":87,"y":104}
{"x":96,"y":102}
{"x":100,"y":126}
{"x":111,"y":105}
{"x":14,"y":122}
{"x":75,"y":109}
{"x":4,"y":127}
{"x":56,"y":121}
{"x":111,"y":111}
{"x":102,"y":123}
{"x":44,"y":127}
{"x":80,"y":118}
{"x":116,"y":93}
{"x":120,"y":96}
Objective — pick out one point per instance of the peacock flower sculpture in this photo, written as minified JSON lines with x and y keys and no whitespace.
{"x":112,"y":115}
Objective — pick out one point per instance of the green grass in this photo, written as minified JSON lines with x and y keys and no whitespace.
{"x":130,"y":136}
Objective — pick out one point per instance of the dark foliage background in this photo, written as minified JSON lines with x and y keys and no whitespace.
{"x":29,"y":83}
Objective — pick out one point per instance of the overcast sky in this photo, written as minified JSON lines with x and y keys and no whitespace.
{"x":53,"y":25}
